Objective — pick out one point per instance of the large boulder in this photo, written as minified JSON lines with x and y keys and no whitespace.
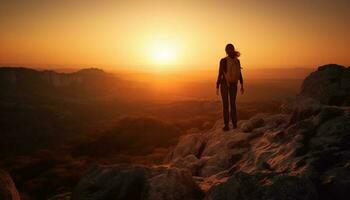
{"x":124,"y":182}
{"x":330,"y":85}
{"x":190,"y":144}
{"x":171,"y":184}
{"x":8,"y":190}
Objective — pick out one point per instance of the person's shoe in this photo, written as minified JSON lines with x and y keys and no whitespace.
{"x":226,"y":128}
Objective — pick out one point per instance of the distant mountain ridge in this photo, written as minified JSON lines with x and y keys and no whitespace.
{"x":15,"y":74}
{"x":90,"y":82}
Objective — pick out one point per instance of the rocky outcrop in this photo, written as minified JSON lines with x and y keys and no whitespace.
{"x":301,"y":153}
{"x":8,"y":189}
{"x":303,"y":145}
{"x":330,"y":84}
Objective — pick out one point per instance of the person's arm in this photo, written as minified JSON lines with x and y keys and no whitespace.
{"x":240,"y":78}
{"x":220,"y":74}
{"x":240,"y":74}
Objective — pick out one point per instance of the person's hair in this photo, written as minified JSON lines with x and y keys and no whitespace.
{"x":230,"y":46}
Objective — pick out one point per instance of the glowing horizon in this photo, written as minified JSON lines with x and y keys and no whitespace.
{"x":169,"y":35}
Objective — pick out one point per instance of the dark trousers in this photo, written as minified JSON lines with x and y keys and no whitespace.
{"x":228,"y":94}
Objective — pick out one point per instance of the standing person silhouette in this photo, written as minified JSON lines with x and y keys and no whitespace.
{"x":229,"y":75}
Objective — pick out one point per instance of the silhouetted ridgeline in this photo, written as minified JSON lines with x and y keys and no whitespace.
{"x":25,"y":81}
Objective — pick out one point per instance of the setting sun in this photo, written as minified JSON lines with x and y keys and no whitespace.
{"x":163,"y":52}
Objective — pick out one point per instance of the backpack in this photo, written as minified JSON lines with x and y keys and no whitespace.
{"x":233,"y":69}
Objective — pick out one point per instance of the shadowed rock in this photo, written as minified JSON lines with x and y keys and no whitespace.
{"x":111,"y":182}
{"x":124,"y":182}
{"x":243,"y":186}
{"x":330,"y":85}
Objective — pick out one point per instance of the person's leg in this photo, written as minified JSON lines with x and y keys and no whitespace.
{"x":233,"y":94}
{"x":225,"y":103}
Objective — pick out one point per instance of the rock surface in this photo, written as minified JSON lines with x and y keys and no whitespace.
{"x":308,"y":144}
{"x":122,"y":182}
{"x":245,"y":187}
{"x":8,"y":189}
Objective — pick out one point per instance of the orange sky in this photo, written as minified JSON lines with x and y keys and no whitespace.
{"x":133,"y":34}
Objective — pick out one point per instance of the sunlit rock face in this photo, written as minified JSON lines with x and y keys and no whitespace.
{"x":330,"y":85}
{"x":8,"y":190}
{"x":307,"y":143}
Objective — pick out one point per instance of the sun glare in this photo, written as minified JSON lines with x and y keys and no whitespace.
{"x":164,"y":52}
